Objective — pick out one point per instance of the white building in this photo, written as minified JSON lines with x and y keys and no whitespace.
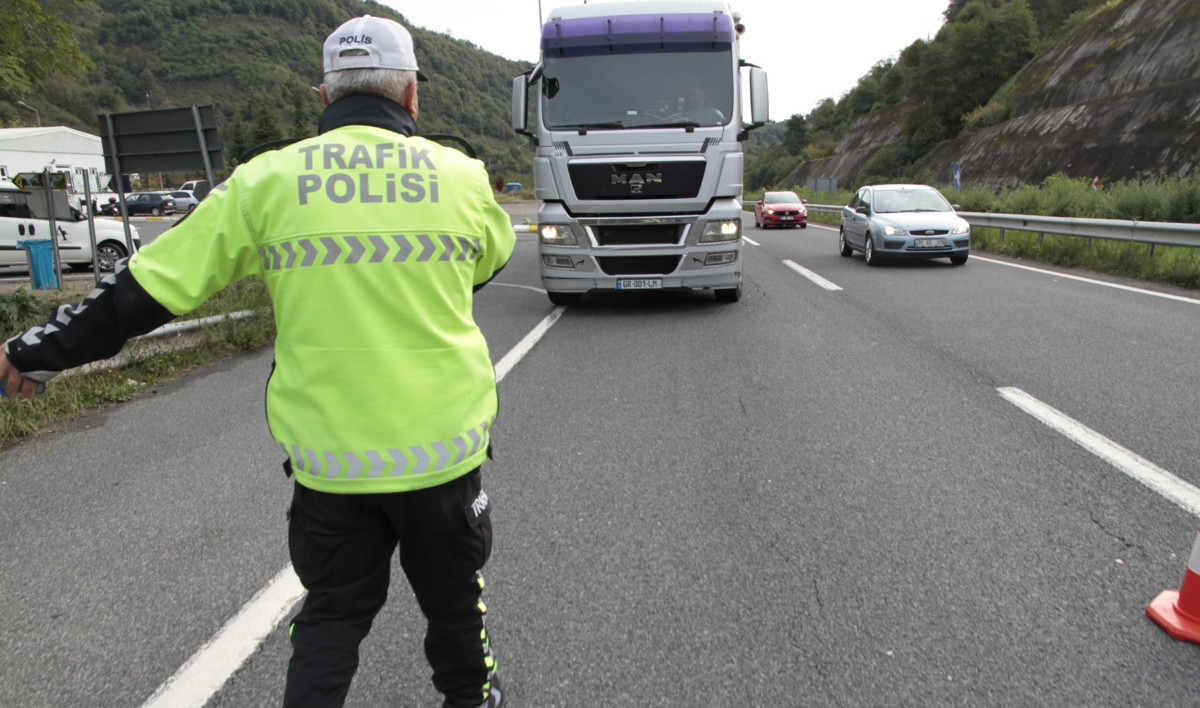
{"x":57,"y":148}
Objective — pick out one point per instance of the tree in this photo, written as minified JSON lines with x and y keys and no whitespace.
{"x":301,"y":108}
{"x":959,"y":71}
{"x":797,"y":136}
{"x":36,"y":43}
{"x":236,"y":141}
{"x":266,"y":124}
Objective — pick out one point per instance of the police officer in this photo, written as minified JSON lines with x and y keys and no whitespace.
{"x":383,"y":396}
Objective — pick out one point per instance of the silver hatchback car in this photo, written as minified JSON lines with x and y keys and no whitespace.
{"x":903,"y":220}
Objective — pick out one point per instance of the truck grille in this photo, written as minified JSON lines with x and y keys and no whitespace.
{"x":638,"y":265}
{"x":638,"y":234}
{"x":662,"y":180}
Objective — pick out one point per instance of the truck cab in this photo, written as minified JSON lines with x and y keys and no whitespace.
{"x":637,"y":125}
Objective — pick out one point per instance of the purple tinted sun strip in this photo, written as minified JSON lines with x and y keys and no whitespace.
{"x":637,"y":29}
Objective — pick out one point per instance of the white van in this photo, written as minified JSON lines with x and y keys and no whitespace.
{"x":197,"y":188}
{"x":19,"y":222}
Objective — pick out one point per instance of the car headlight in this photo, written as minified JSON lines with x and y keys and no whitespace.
{"x":963,"y":228}
{"x":721,"y":231}
{"x":893,"y":231}
{"x":768,"y":211}
{"x":557,"y":235}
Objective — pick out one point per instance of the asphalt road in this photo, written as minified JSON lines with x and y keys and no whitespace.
{"x":809,"y":497}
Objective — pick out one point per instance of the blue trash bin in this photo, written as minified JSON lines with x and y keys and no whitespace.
{"x":40,"y":254}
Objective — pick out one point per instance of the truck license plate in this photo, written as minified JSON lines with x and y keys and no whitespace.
{"x":639,"y":284}
{"x":930,"y":243}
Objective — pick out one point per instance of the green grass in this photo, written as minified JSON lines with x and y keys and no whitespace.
{"x":68,"y":397}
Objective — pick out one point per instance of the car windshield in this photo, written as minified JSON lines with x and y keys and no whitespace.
{"x":900,"y":200}
{"x":781,"y":198}
{"x":639,"y":89}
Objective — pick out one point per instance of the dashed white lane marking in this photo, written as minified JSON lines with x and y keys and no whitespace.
{"x":828,"y":285}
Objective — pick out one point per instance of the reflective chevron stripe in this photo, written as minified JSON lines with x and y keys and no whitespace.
{"x":392,"y":462}
{"x":357,"y":250}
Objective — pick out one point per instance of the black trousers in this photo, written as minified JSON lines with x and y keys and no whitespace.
{"x":341,"y":547}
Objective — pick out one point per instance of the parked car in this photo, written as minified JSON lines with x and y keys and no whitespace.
{"x":18,"y":222}
{"x":903,"y":220}
{"x":781,"y":209}
{"x":184,"y":201}
{"x":153,"y":203}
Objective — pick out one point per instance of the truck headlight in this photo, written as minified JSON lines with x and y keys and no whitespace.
{"x":714,"y":231}
{"x":557,"y":235}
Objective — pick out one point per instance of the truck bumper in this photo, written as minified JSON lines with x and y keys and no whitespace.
{"x":686,"y":265}
{"x":715,"y":279}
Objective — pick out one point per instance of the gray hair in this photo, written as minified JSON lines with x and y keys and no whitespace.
{"x":390,"y":83}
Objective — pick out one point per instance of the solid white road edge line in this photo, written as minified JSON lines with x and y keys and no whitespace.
{"x":523,"y":347}
{"x":1118,"y":286}
{"x":1186,"y":496}
{"x":210,"y":667}
{"x":832,"y":287}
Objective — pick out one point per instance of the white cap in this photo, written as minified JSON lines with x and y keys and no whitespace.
{"x":387,"y":45}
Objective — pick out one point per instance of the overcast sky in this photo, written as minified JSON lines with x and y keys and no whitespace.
{"x":811,"y":51}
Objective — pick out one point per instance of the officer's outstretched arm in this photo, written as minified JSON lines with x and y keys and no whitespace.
{"x":95,"y":328}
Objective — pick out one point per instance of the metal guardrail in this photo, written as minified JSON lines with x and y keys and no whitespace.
{"x":1152,"y":233}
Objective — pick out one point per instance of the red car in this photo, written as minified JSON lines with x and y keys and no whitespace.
{"x":781,"y":209}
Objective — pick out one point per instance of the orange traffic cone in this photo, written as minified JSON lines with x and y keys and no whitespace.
{"x":1178,"y":611}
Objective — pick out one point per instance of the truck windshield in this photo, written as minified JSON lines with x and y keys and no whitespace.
{"x":638,"y":89}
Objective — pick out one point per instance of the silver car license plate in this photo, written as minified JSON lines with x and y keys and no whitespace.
{"x":930,"y":243}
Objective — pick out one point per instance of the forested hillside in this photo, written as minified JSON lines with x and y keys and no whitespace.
{"x":257,"y":61}
{"x":932,"y":92}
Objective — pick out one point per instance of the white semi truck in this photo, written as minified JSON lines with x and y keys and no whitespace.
{"x":637,"y":126}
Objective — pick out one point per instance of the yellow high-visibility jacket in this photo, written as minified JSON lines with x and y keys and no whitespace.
{"x":371,"y":244}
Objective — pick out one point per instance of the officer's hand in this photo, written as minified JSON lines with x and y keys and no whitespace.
{"x":12,"y":383}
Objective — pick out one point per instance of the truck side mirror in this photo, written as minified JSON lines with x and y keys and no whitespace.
{"x":520,"y":91}
{"x":759,"y":97}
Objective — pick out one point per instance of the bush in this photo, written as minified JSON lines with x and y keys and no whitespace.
{"x":986,"y":116}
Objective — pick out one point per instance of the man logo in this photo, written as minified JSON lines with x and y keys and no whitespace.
{"x":637,"y":181}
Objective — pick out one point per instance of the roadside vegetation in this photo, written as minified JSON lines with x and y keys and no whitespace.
{"x":1175,"y":199}
{"x":69,"y":396}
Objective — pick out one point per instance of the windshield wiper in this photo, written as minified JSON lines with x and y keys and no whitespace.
{"x":670,"y":124}
{"x":583,"y":127}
